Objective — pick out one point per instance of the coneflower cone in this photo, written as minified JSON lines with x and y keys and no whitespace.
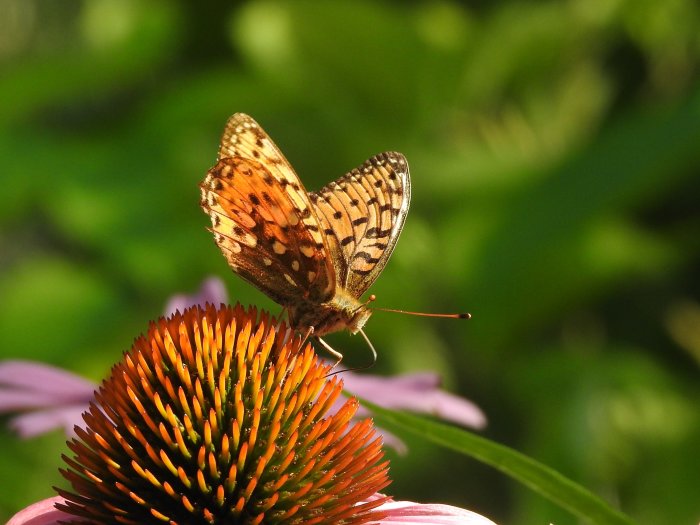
{"x":221,"y":416}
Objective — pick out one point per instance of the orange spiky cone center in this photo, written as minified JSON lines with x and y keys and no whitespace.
{"x":221,"y":416}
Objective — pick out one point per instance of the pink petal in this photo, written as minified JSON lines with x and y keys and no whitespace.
{"x":433,"y":513}
{"x":418,"y":380}
{"x":212,"y":291}
{"x":40,"y":513}
{"x":12,"y":400}
{"x":45,"y":397}
{"x":415,"y":392}
{"x":41,"y":379}
{"x":38,"y":422}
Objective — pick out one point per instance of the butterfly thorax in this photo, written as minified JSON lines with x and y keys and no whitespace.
{"x":343,"y":312}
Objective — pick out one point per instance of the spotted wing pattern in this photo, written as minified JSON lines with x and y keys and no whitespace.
{"x":262,"y":218}
{"x":361,"y":215}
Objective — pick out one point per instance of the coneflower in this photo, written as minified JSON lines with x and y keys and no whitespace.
{"x":221,"y":416}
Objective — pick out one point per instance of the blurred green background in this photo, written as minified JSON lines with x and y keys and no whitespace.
{"x":554,"y":151}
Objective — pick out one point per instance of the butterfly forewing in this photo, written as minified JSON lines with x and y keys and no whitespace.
{"x":262,"y":218}
{"x":244,"y":138}
{"x":362,"y":215}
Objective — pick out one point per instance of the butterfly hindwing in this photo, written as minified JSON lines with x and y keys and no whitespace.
{"x":362,"y":215}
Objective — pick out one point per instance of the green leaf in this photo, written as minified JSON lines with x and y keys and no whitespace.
{"x":542,"y":479}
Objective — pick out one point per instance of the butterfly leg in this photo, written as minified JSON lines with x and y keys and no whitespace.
{"x":332,"y":351}
{"x":309,"y":332}
{"x":282,"y":314}
{"x":285,"y":312}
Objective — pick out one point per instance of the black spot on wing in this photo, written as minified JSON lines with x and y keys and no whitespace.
{"x":377,"y":233}
{"x":367,"y":257}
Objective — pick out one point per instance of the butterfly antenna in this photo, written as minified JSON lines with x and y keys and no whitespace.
{"x":369,"y":300}
{"x":465,"y":315}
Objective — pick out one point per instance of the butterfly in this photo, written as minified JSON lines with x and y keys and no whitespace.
{"x":315,"y":253}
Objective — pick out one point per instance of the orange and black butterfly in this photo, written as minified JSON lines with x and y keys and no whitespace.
{"x":315,"y":253}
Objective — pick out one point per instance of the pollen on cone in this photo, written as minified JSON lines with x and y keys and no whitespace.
{"x":221,"y":416}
